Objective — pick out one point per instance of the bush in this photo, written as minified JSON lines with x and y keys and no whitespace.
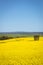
{"x":5,"y":37}
{"x":36,"y":37}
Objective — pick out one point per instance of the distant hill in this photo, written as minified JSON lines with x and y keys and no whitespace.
{"x":22,"y":33}
{"x":15,"y":34}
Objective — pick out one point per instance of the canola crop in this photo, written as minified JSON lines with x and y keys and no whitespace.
{"x":21,"y":51}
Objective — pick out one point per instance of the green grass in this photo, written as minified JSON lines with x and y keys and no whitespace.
{"x":18,"y":35}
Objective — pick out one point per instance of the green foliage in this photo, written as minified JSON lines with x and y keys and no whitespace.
{"x":5,"y":37}
{"x":36,"y":37}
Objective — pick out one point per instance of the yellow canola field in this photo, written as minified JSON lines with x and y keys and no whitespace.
{"x":21,"y":51}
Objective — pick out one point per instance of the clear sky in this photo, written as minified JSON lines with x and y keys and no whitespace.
{"x":21,"y":15}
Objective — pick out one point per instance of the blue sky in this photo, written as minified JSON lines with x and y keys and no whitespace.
{"x":21,"y":15}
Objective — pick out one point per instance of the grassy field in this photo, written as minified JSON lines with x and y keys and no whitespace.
{"x":21,"y":34}
{"x":21,"y":51}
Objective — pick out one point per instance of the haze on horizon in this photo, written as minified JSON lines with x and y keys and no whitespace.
{"x":21,"y":15}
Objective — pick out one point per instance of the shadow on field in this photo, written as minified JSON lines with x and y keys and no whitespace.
{"x":2,"y":42}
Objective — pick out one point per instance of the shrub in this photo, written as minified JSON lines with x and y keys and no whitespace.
{"x":36,"y":37}
{"x":5,"y":37}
